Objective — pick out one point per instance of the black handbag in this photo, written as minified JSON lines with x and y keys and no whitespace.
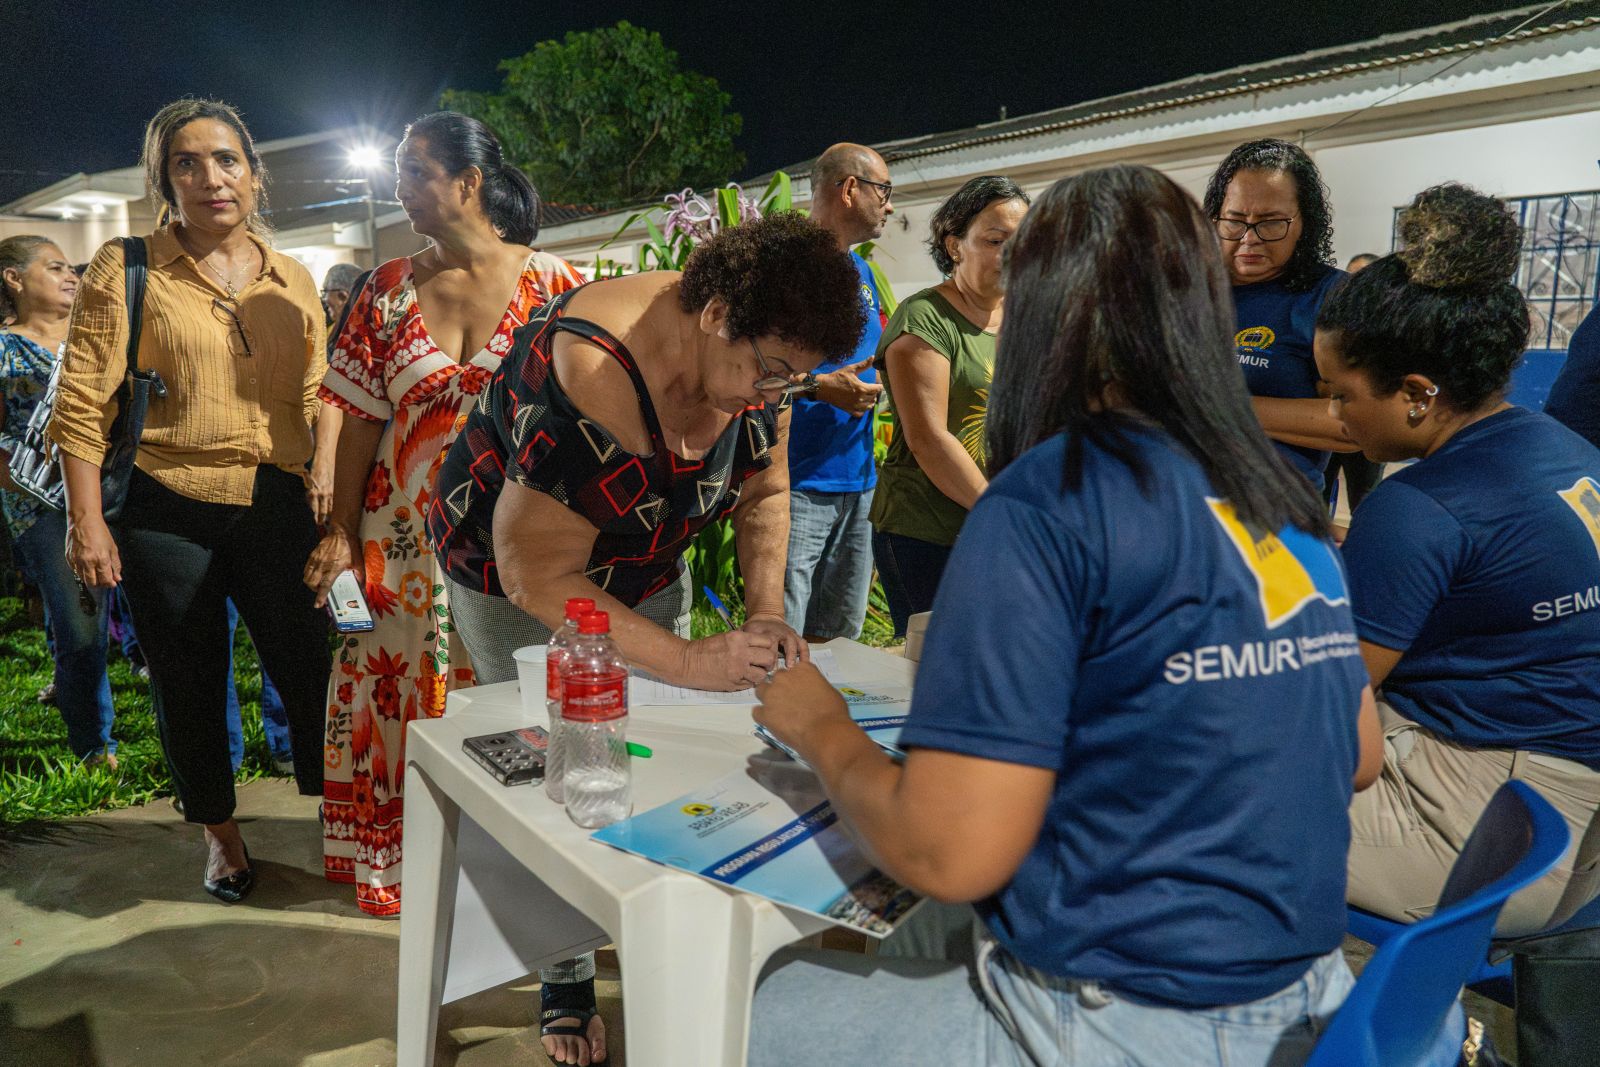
{"x":36,"y":464}
{"x":122,"y":444}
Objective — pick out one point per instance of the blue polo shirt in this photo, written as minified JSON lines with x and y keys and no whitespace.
{"x":830,"y":451}
{"x":1481,"y":563}
{"x":1194,"y":686}
{"x":1574,"y":399}
{"x":1276,"y":328}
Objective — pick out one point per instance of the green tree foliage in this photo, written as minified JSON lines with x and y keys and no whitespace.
{"x":606,"y":117}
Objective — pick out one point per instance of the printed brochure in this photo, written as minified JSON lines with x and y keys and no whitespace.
{"x":770,"y":831}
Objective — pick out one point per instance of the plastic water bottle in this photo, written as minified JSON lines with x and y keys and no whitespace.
{"x":555,"y":651}
{"x":597,"y":778}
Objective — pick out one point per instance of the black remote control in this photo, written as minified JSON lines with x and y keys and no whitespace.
{"x":514,"y":757}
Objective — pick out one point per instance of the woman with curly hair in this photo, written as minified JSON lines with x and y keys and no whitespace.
{"x":1474,"y":572}
{"x":628,"y":415}
{"x":1270,"y":209}
{"x":938,"y":356}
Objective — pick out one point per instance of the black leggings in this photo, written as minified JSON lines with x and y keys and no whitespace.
{"x":919,"y":566}
{"x":182,"y":559}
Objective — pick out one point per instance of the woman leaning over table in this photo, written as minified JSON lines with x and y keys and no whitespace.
{"x":423,"y":337}
{"x":216,"y":506}
{"x":37,"y":286}
{"x":938,"y":357}
{"x":1114,"y":807}
{"x":1473,"y":571}
{"x":1271,"y":212}
{"x":628,"y":415}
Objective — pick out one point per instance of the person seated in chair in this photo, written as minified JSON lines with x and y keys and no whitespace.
{"x":1474,"y":572}
{"x":1141,"y":709}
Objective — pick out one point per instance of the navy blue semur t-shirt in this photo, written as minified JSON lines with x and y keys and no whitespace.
{"x":1481,"y":563}
{"x":1276,"y":328}
{"x":1574,"y":399}
{"x":1193,"y":684}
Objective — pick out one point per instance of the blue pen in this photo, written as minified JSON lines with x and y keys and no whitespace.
{"x":718,"y":606}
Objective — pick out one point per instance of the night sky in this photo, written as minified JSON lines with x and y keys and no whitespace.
{"x":83,"y":78}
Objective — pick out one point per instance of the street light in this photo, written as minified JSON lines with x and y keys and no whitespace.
{"x":368,"y":159}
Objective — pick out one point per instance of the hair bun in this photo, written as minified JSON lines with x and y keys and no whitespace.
{"x":1454,"y":236}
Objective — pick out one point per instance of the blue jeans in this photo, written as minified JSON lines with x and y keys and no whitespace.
{"x":990,"y":1008}
{"x":920,"y":567}
{"x":274,"y":720}
{"x":78,"y":640}
{"x":830,"y":563}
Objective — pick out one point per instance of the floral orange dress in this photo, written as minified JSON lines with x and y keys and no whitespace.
{"x":385,"y":368}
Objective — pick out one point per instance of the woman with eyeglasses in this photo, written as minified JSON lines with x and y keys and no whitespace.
{"x":1271,"y":213}
{"x":938,"y":356}
{"x":216,"y":507}
{"x":628,"y":415}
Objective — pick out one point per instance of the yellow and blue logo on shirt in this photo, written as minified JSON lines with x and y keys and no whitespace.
{"x":1255,"y":337}
{"x":1584,"y":499}
{"x":1291,"y":567}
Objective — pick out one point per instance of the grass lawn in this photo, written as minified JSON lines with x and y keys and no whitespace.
{"x":40,"y":779}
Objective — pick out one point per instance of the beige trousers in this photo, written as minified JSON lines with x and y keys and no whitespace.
{"x":1408,"y":828}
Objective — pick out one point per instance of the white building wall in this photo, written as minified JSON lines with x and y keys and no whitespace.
{"x":1515,"y":159}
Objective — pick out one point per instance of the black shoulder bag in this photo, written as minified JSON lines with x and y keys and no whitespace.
{"x":122,"y":444}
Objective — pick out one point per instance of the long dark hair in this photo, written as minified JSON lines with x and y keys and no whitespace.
{"x":1313,"y":253}
{"x":1443,"y":305}
{"x":456,"y":142}
{"x":1114,"y":285}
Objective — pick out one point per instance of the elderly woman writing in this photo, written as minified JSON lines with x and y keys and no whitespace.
{"x":627,"y":416}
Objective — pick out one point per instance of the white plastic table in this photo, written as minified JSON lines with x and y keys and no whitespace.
{"x":690,"y":950}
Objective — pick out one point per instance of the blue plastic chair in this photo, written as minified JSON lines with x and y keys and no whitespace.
{"x":1400,"y":1013}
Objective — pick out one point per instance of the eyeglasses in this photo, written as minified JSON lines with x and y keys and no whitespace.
{"x":784,"y":383}
{"x":885,"y":190}
{"x":1267,"y":230}
{"x":238,"y":326}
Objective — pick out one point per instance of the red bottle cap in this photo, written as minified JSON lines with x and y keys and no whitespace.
{"x":596,"y":622}
{"x":578,"y":607}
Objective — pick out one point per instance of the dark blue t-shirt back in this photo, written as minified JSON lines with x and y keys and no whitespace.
{"x":1574,"y":399}
{"x":1193,"y":684}
{"x":830,"y":451}
{"x":1274,"y":342}
{"x":1481,"y":563}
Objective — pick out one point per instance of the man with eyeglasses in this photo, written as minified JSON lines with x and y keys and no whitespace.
{"x":831,"y":469}
{"x":337,"y":286}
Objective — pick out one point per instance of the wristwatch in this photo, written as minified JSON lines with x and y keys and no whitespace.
{"x":809,"y":381}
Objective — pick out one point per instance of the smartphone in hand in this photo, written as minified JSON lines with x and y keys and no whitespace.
{"x":348,"y":606}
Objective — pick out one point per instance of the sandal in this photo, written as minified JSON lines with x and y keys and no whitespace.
{"x":567,"y":1000}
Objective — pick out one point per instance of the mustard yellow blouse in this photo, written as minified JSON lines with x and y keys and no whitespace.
{"x":239,"y":394}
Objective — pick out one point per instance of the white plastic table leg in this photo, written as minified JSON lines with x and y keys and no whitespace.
{"x":690,"y":955}
{"x":432,"y":822}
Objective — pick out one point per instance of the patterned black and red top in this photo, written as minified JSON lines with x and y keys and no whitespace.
{"x":647,"y":508}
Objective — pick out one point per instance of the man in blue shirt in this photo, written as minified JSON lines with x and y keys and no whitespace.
{"x":831,"y":470}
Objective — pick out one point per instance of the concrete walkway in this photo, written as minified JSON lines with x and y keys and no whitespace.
{"x":112,"y":954}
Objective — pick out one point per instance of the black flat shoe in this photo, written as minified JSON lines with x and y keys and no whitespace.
{"x":236,"y":886}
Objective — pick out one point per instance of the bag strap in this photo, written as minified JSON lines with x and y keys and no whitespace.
{"x":135,"y":256}
{"x":344,"y":315}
